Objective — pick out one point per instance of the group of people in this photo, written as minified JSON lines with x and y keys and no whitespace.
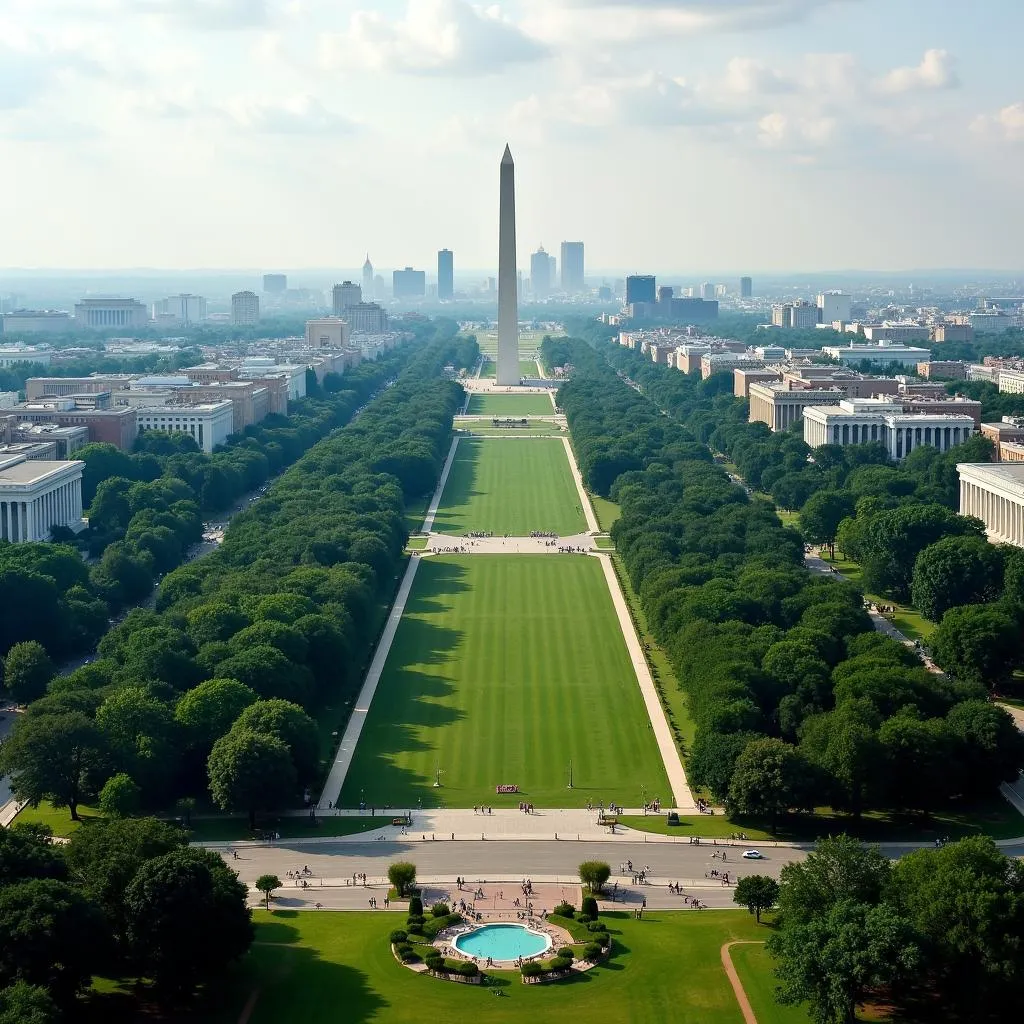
{"x":569,"y":549}
{"x":526,"y":808}
{"x":482,"y":810}
{"x":654,"y":806}
{"x":722,"y":876}
{"x":543,"y":535}
{"x":453,"y":550}
{"x":704,"y":807}
{"x":373,"y":902}
{"x":480,"y":534}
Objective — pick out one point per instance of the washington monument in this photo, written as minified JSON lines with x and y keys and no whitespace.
{"x":508,"y":298}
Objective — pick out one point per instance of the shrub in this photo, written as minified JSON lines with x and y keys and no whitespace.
{"x":589,"y":907}
{"x":565,"y":910}
{"x":531,"y":969}
{"x":440,"y":910}
{"x":565,"y":954}
{"x":594,"y":873}
{"x":401,"y":948}
{"x":414,"y":927}
{"x":415,"y":906}
{"x":402,"y":875}
{"x":436,"y":925}
{"x":398,"y":936}
{"x":592,"y":950}
{"x":596,"y":926}
{"x":415,"y":919}
{"x":410,"y":956}
{"x":468,"y":969}
{"x":435,"y":963}
{"x":560,"y":964}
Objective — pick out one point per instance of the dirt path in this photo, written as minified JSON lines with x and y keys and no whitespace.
{"x":734,"y":979}
{"x":250,"y":1006}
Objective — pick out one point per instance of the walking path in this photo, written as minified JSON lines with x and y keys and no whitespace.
{"x":592,"y":523}
{"x":442,"y":543}
{"x":354,"y":727}
{"x":681,"y":793}
{"x":734,"y":979}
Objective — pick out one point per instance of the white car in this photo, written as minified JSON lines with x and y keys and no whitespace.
{"x":752,"y":855}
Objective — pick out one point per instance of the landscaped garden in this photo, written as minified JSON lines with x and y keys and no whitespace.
{"x":505,"y":668}
{"x":510,"y":487}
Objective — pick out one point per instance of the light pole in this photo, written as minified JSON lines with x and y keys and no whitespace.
{"x":643,"y":798}
{"x":437,"y":776}
{"x":570,"y":773}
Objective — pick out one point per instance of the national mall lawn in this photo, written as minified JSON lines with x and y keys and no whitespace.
{"x":498,"y":404}
{"x":323,"y":967}
{"x":503,"y":669}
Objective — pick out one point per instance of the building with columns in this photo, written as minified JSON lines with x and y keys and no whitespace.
{"x":994,"y":492}
{"x":780,"y":406}
{"x":742,"y":379}
{"x":208,"y":424}
{"x":863,"y":420}
{"x":37,"y":496}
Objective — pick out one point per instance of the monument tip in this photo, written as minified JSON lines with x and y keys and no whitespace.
{"x":507,"y":158}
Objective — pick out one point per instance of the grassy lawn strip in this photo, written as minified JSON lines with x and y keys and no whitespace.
{"x":510,"y":405}
{"x":321,"y":968}
{"x":503,"y":668}
{"x":57,"y":818}
{"x":755,"y":968}
{"x":234,"y":828}
{"x":673,"y":699}
{"x":992,"y":816}
{"x":416,"y":544}
{"x":510,"y":487}
{"x":534,"y":428}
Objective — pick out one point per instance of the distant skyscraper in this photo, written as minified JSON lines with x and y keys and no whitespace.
{"x":409,"y":283}
{"x":572,"y":267}
{"x":540,"y":274}
{"x":275,"y":283}
{"x":445,"y":275}
{"x":746,"y":288}
{"x":707,"y":290}
{"x":345,"y":295}
{"x":640,"y":288}
{"x":368,"y":291}
{"x":833,"y":306}
{"x":245,"y":308}
{"x":508,"y":298}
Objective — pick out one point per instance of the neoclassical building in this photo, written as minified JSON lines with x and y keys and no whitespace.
{"x":861,"y":420}
{"x":994,"y":492}
{"x":37,"y":496}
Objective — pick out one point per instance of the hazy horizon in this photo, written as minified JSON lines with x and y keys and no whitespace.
{"x":755,"y":134}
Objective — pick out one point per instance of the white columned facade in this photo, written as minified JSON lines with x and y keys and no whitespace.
{"x":994,"y":493}
{"x":37,"y":496}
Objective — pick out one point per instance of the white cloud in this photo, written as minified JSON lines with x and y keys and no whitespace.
{"x":203,"y":14}
{"x":297,"y":115}
{"x":936,"y":71}
{"x":1006,"y":124}
{"x":780,"y":130}
{"x":745,"y":76}
{"x":433,"y":37}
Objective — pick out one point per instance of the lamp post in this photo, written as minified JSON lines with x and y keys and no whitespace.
{"x":570,"y":773}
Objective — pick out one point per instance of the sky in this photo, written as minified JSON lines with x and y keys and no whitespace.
{"x":733,"y":135}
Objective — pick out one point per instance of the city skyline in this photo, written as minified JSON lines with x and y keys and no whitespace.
{"x":205,"y":134}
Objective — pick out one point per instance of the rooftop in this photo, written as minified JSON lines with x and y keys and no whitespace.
{"x":27,"y":473}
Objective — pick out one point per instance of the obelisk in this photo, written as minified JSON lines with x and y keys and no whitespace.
{"x":508,"y":297}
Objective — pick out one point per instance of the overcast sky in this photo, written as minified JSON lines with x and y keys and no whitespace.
{"x":730,"y":135}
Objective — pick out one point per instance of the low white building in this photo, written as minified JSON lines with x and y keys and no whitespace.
{"x":263,"y":367}
{"x":327,"y":332}
{"x":36,"y":496}
{"x":11,"y":356}
{"x":209,"y":424}
{"x":863,"y":420}
{"x":1011,"y":382}
{"x":880,"y":352}
{"x":994,"y":492}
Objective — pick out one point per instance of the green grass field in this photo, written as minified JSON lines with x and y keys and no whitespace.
{"x":322,"y":968}
{"x":607,"y":512}
{"x":755,"y":967}
{"x":510,"y":486}
{"x":510,"y":405}
{"x":503,"y":668}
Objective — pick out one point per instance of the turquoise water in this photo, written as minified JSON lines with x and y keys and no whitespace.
{"x":502,"y":942}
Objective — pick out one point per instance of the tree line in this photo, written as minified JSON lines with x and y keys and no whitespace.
{"x":797,"y":701}
{"x":209,"y":692}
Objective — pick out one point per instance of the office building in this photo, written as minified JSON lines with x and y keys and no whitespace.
{"x":880,"y":352}
{"x":409,"y":283}
{"x":641,"y":288}
{"x":367,"y":318}
{"x":540,"y":274}
{"x":951,"y":332}
{"x":942,"y":369}
{"x":707,"y":290}
{"x":1011,"y":382}
{"x":97,"y":314}
{"x":780,"y":406}
{"x":862,"y":420}
{"x":899,"y":333}
{"x":795,"y":314}
{"x":833,"y":306}
{"x":35,"y":321}
{"x":209,"y":424}
{"x":746,"y":288}
{"x":994,"y":493}
{"x":36,"y":496}
{"x":327,"y":332}
{"x":245,"y":309}
{"x":744,"y":377}
{"x":275,"y":284}
{"x":181,"y":309}
{"x":105,"y":425}
{"x":369,"y":282}
{"x":445,"y":275}
{"x":572,"y":268}
{"x":344,"y":296}
{"x":690,"y":311}
{"x":13,"y":356}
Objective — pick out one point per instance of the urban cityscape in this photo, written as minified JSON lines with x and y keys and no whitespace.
{"x":496,"y":579}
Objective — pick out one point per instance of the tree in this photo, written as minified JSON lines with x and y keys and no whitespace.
{"x":207,"y":711}
{"x":833,"y":960}
{"x":593,"y":874}
{"x":956,"y":571}
{"x":50,"y":935}
{"x":25,"y":853}
{"x":22,"y":1003}
{"x":120,"y":797}
{"x":757,"y":893}
{"x":992,"y":747}
{"x":266,"y":884}
{"x":140,"y":731}
{"x":250,"y":772}
{"x":215,"y":621}
{"x":821,"y":515}
{"x":771,"y":777}
{"x":267,"y":671}
{"x":292,"y":726}
{"x":27,"y":671}
{"x":713,"y":759}
{"x":59,"y":757}
{"x":402,"y":875}
{"x":978,"y":643}
{"x":187,"y":918}
{"x":917,"y":757}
